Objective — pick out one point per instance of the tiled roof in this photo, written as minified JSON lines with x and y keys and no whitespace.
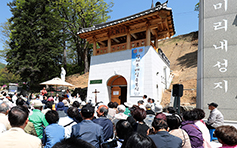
{"x":131,"y":17}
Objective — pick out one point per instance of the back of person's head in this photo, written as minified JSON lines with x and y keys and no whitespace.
{"x":87,"y":111}
{"x":4,"y":107}
{"x":111,"y":104}
{"x":159,"y":124}
{"x":145,"y":96}
{"x":140,"y":102}
{"x":139,"y":114}
{"x":189,"y":115}
{"x":73,"y":143}
{"x":52,"y":116}
{"x":198,"y":114}
{"x":103,"y":109}
{"x":115,"y":104}
{"x":121,"y":108}
{"x":17,"y":116}
{"x":139,"y":141}
{"x":60,"y":98}
{"x":171,"y":110}
{"x":226,"y":135}
{"x":123,"y":129}
{"x":49,"y":104}
{"x":76,"y":104}
{"x":20,"y":101}
{"x":72,"y":112}
{"x":173,"y":122}
{"x":149,"y":99}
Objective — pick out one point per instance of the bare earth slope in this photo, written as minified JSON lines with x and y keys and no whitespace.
{"x":182,"y":53}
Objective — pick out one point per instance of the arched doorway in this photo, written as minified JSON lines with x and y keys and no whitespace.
{"x":118,"y":89}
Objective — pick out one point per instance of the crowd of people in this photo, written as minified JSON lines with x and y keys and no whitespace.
{"x":66,"y":121}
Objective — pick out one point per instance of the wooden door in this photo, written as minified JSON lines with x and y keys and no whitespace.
{"x":115,"y":93}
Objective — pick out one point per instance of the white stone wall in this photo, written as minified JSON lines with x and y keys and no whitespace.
{"x":119,"y":63}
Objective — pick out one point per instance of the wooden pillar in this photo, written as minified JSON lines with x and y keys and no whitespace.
{"x":109,"y":45}
{"x":156,"y":42}
{"x":128,"y":40}
{"x":148,"y":35}
{"x":94,"y":48}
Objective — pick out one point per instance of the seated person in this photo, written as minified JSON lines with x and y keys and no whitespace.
{"x":54,"y":132}
{"x":162,"y":138}
{"x":140,"y":141}
{"x":215,"y":118}
{"x":73,"y":143}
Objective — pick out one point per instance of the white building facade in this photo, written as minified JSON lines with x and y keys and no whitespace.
{"x":108,"y":67}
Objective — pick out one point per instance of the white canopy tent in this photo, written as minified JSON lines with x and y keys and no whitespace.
{"x":57,"y":82}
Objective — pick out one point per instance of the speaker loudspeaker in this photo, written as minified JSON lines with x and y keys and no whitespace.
{"x":177,"y":90}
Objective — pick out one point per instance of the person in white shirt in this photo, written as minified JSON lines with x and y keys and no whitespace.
{"x":68,"y":121}
{"x":215,"y":118}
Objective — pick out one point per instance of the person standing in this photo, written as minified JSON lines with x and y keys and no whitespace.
{"x":43,"y":91}
{"x":14,"y":98}
{"x":215,"y":118}
{"x":16,"y":137}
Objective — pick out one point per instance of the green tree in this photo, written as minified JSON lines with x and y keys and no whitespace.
{"x":5,"y":31}
{"x":2,"y":66}
{"x":8,"y":77}
{"x":35,"y":40}
{"x":81,"y":14}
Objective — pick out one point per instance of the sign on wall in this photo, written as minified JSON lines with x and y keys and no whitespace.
{"x":137,"y":71}
{"x":96,"y":81}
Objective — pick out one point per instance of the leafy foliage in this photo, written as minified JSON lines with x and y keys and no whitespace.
{"x":2,"y":66}
{"x":8,"y":77}
{"x":81,"y":14}
{"x":5,"y":31}
{"x":35,"y":40}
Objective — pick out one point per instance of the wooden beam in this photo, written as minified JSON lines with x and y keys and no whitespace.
{"x":153,"y":31}
{"x":134,"y":35}
{"x":102,"y":43}
{"x":168,"y":29}
{"x":116,"y":40}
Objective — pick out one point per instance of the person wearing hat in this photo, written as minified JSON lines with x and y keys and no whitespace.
{"x":215,"y":118}
{"x":127,"y":105}
{"x":38,"y":118}
{"x":60,"y":109}
{"x":159,"y":112}
{"x":87,"y":130}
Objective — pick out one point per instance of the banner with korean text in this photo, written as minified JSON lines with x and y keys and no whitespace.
{"x":137,"y":71}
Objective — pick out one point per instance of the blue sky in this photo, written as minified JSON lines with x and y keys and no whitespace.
{"x":185,"y":18}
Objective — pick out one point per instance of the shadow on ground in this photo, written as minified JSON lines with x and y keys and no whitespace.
{"x":189,"y":60}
